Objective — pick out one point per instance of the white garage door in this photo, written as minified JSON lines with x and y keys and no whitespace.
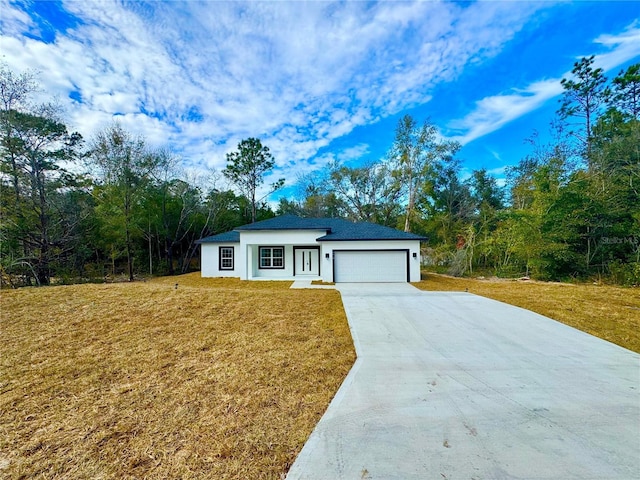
{"x":370,"y":266}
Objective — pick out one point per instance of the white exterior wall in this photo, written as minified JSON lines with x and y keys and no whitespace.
{"x":246,"y":254}
{"x":210,"y":261}
{"x":250,"y":241}
{"x":326,"y":264}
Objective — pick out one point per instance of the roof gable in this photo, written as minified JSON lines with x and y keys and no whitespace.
{"x":289,"y":222}
{"x":336,"y":229}
{"x":226,"y":237}
{"x":366,"y":231}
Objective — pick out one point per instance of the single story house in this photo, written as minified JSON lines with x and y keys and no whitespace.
{"x":329,"y":249}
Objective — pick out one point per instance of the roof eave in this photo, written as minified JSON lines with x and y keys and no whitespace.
{"x":323,"y":239}
{"x":281,"y":229}
{"x":215,"y":241}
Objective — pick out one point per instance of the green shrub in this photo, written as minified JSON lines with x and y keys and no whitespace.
{"x":625,"y":273}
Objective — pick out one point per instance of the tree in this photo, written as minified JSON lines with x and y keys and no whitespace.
{"x":614,"y":185}
{"x":218,"y":212}
{"x":15,"y":90}
{"x":367,"y":193}
{"x":33,"y":146}
{"x":180,"y":203}
{"x":247,"y":167}
{"x":626,"y":91}
{"x":289,"y":207}
{"x":415,"y":152}
{"x":171,"y":204}
{"x":14,"y":95}
{"x":488,"y":199}
{"x":316,"y":196}
{"x":123,"y":167}
{"x":584,"y":95}
{"x":449,"y":203}
{"x":485,"y":190}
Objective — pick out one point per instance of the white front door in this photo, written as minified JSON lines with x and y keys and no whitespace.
{"x":307,"y":261}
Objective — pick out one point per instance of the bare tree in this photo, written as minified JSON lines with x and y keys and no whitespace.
{"x":415,"y":152}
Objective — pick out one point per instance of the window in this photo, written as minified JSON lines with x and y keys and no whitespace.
{"x":226,"y":258}
{"x":271,"y":257}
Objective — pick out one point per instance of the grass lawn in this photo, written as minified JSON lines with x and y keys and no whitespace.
{"x":215,"y":379}
{"x":611,"y":313}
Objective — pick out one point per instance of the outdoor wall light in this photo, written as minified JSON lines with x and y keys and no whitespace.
{"x":415,"y":255}
{"x":326,"y":255}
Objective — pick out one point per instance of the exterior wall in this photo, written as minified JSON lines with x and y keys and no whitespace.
{"x":285,"y":273}
{"x":246,"y":254}
{"x":210,"y":260}
{"x":326,"y":264}
{"x":251,"y":241}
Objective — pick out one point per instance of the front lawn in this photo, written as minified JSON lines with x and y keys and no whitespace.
{"x":216,"y":378}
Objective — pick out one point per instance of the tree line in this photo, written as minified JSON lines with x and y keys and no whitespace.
{"x":569,"y":209}
{"x":75,"y":209}
{"x":111,"y":206}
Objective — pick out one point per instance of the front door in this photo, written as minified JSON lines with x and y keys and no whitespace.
{"x":307,"y":261}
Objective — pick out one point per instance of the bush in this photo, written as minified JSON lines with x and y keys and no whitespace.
{"x":625,"y":273}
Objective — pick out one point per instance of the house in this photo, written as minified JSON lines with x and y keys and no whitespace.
{"x":330,"y":249}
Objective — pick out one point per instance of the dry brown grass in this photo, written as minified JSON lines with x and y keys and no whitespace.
{"x":215,"y":379}
{"x":611,"y":313}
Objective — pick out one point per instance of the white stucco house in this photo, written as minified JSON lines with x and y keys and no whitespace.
{"x":329,"y":249}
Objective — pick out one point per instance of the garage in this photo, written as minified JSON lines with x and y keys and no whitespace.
{"x":370,"y":266}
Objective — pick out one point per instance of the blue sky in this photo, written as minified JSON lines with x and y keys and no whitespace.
{"x":315,"y":81}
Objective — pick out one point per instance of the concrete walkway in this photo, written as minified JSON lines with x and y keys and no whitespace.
{"x":301,"y":284}
{"x":455,"y":386}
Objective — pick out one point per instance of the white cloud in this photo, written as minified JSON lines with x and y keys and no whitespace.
{"x":491,"y":113}
{"x":13,"y":21}
{"x":497,"y":171}
{"x":200,"y":76}
{"x":353,"y":153}
{"x":626,"y":47}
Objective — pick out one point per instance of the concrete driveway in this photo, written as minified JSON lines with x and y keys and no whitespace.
{"x":454,"y":386}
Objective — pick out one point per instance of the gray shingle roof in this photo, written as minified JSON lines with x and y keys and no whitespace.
{"x":226,"y":237}
{"x":290,"y":222}
{"x":336,"y":229}
{"x":346,"y":231}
